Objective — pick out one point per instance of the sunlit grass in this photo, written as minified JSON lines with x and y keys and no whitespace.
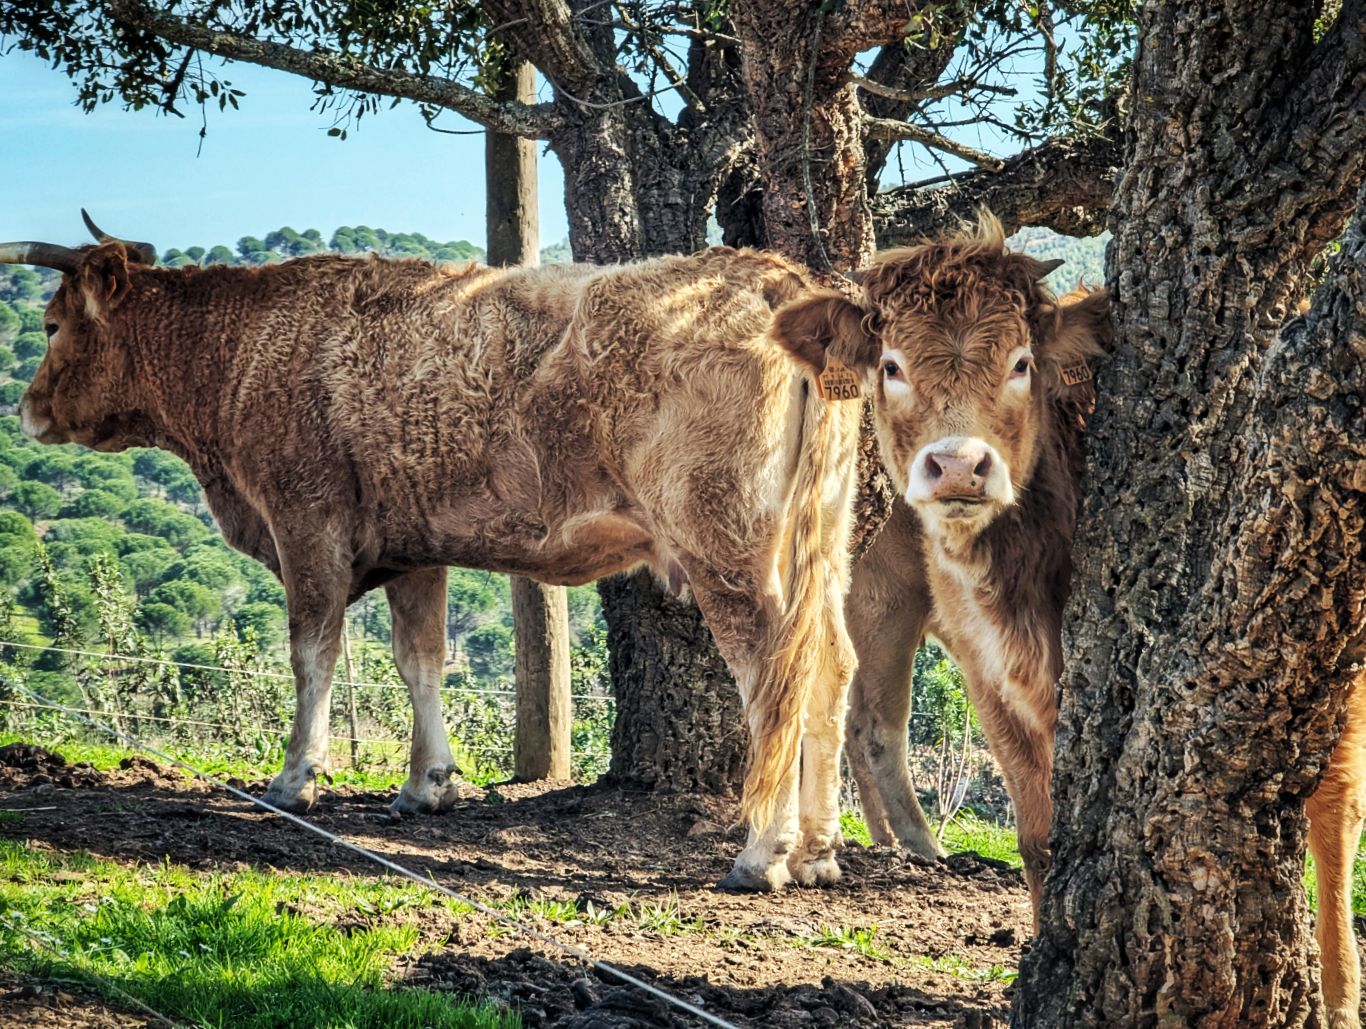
{"x":249,"y":950}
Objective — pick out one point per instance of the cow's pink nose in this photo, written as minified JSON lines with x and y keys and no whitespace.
{"x":958,"y":474}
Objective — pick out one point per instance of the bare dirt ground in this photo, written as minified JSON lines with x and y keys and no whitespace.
{"x":944,"y":934}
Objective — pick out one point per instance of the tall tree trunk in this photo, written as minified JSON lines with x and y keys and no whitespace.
{"x":540,"y":613}
{"x":1220,"y":578}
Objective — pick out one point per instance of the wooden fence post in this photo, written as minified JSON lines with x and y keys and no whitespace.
{"x":540,"y":614}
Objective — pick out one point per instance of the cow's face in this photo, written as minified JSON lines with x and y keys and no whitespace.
{"x":963,"y":352}
{"x":81,"y":393}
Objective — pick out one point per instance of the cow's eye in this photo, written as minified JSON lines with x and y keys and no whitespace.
{"x":1022,"y":367}
{"x":51,"y":329}
{"x":891,"y":369}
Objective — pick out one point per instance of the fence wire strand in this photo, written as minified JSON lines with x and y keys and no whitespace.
{"x":266,"y":674}
{"x":516,"y":925}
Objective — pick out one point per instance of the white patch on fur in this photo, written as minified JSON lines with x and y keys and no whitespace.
{"x":991,"y":644}
{"x":30,"y":426}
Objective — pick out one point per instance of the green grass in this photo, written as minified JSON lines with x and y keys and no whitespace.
{"x":965,"y":832}
{"x":961,"y":968}
{"x":968,"y":832}
{"x":251,"y":950}
{"x":850,"y":938}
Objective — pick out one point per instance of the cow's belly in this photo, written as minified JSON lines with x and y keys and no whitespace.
{"x":585,"y":548}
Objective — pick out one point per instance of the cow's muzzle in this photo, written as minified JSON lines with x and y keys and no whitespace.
{"x":961,"y":476}
{"x":35,"y":425}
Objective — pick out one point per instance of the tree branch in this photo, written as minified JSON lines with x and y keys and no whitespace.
{"x":339,"y":70}
{"x":546,"y":32}
{"x":1066,"y":184}
{"x":884,"y":129}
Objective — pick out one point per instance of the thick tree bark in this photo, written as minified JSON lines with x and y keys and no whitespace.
{"x":1218,"y":605}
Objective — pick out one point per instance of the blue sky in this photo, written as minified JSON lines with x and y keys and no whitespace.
{"x":268,"y":165}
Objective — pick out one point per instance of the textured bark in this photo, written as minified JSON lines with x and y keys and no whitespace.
{"x":808,"y":124}
{"x":1218,"y":603}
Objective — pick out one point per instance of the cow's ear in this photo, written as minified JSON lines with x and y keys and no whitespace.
{"x":102,"y":279}
{"x":1080,"y":333}
{"x":817,"y":328}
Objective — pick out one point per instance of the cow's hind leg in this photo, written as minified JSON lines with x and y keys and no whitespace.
{"x":813,"y":863}
{"x":418,"y":603}
{"x":1336,"y":812}
{"x":316,"y":578}
{"x":878,"y":714}
{"x":740,"y":619}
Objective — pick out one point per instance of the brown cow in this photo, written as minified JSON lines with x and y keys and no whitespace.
{"x":358,"y":422}
{"x":981,"y":390}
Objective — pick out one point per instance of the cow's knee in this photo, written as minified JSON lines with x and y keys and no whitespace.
{"x":427,"y":791}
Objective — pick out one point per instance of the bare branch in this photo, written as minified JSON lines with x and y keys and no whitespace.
{"x":920,"y":95}
{"x":339,"y":70}
{"x":1066,"y":184}
{"x":546,"y":31}
{"x":885,"y":129}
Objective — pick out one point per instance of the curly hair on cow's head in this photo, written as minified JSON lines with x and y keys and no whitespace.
{"x":937,"y":274}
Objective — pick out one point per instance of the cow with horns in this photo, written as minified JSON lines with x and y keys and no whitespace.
{"x":358,"y":422}
{"x":981,"y":385}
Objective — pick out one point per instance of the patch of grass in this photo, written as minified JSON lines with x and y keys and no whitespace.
{"x":850,"y":938}
{"x":855,"y":830}
{"x":220,"y":950}
{"x":961,"y":968}
{"x":968,"y":832}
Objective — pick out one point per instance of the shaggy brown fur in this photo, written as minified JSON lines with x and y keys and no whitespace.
{"x":358,"y":422}
{"x":990,"y":583}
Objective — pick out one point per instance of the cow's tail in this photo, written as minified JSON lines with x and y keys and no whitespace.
{"x":803,"y":640}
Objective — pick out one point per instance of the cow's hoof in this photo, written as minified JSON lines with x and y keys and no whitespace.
{"x":816,"y":870}
{"x":926,"y":851}
{"x":748,"y":879}
{"x":289,"y":793}
{"x":427,"y":794}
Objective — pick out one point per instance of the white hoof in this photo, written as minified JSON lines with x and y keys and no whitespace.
{"x":749,"y":879}
{"x":296,"y":790}
{"x":428,"y":793}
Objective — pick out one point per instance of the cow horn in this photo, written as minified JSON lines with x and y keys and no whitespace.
{"x":1047,"y":267}
{"x":145,"y":252}
{"x":46,"y":255}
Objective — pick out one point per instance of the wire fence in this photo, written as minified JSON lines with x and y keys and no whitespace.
{"x":245,"y":710}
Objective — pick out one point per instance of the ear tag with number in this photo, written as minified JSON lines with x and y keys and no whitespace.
{"x":839,"y":381}
{"x":1076,"y":374}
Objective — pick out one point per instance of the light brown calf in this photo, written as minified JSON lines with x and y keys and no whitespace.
{"x":981,"y":387}
{"x":363,"y":422}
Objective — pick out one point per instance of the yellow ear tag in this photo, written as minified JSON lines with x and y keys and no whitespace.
{"x":1075,"y":375}
{"x":838,"y":381}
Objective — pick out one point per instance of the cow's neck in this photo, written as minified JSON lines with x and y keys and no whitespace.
{"x":1003,"y":591}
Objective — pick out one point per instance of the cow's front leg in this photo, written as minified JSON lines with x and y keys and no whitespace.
{"x":315,"y":592}
{"x":418,"y":603}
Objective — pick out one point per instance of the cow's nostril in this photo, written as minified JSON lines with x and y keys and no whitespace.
{"x":983,"y":466}
{"x":932,"y":468}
